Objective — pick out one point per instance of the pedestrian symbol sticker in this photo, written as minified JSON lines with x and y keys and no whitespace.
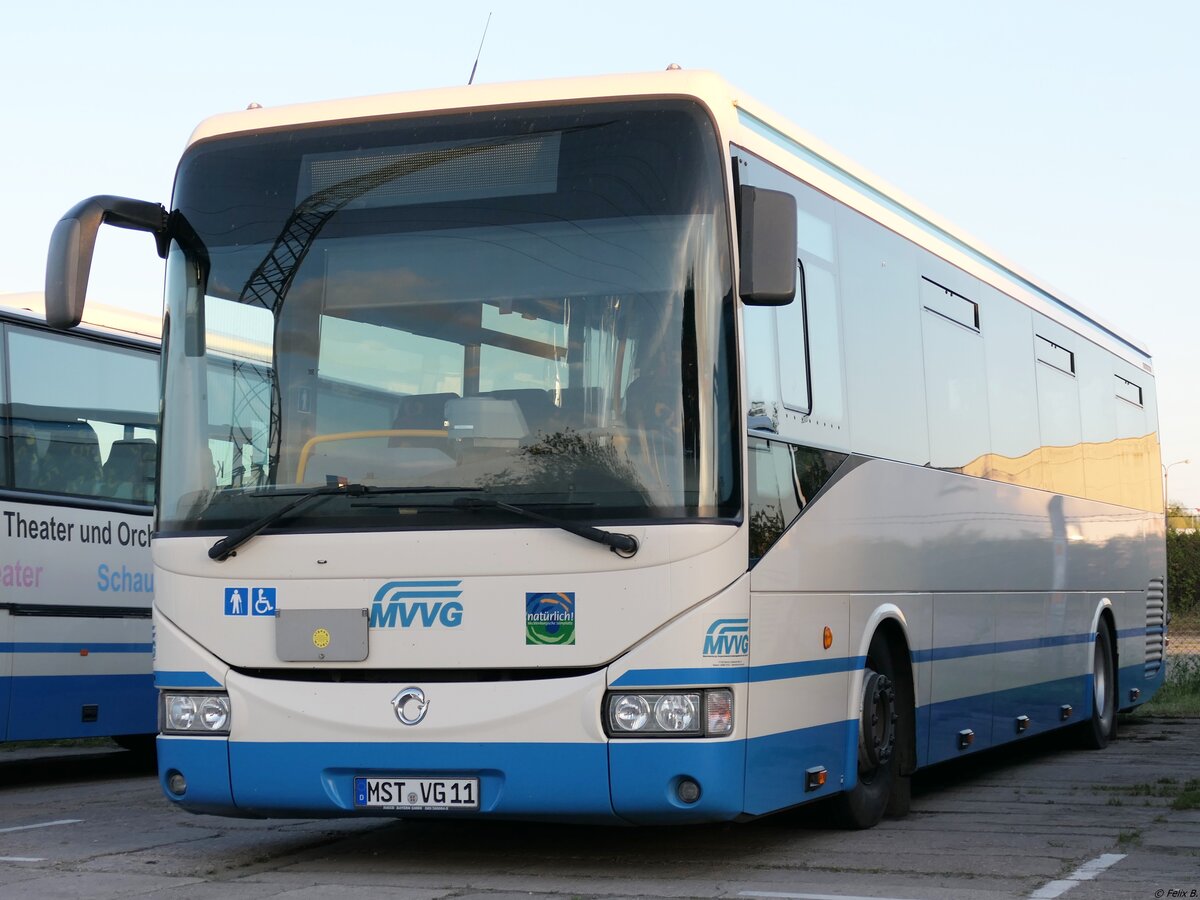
{"x":237,"y":601}
{"x":264,"y":602}
{"x":246,"y":601}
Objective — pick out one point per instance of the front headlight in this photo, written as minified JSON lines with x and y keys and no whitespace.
{"x":629,"y":712}
{"x":677,"y":712}
{"x":662,"y":714}
{"x":194,"y":713}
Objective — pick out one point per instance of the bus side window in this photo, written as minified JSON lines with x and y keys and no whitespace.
{"x":784,"y":478}
{"x":71,"y":463}
{"x":65,"y":421}
{"x":25,"y":455}
{"x":129,"y":470}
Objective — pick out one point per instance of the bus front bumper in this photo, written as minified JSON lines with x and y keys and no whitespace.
{"x":618,"y":781}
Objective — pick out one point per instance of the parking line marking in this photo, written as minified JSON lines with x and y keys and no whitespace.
{"x":784,"y":896}
{"x":41,"y":825}
{"x":22,"y":859}
{"x":1086,"y":872}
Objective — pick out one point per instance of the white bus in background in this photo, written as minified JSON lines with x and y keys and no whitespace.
{"x":610,"y":449}
{"x":78,"y":448}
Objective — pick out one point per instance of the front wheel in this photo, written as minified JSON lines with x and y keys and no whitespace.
{"x":1102,"y":728}
{"x":878,"y":760}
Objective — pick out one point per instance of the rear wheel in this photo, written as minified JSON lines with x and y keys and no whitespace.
{"x":878,"y":761}
{"x":1102,"y":728}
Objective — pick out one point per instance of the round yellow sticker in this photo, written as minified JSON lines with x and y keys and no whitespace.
{"x":321,"y":638}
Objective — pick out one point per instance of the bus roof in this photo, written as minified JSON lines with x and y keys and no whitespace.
{"x":98,"y":318}
{"x":735,"y":112}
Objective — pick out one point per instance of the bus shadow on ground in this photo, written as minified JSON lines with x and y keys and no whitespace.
{"x":747,"y":839}
{"x":467,"y":843}
{"x":29,"y":766}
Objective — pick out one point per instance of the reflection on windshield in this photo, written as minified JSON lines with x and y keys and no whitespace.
{"x":538,"y":318}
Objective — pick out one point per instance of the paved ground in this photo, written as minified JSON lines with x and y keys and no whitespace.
{"x":1040,"y":821}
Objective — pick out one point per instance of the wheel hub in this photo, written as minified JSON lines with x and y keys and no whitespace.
{"x":877,"y":727}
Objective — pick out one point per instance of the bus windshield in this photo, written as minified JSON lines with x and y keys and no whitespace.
{"x":531,"y":306}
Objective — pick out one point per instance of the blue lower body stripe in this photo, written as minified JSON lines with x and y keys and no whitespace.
{"x":167,"y":679}
{"x":775,"y":765}
{"x":607,"y":781}
{"x":46,"y":707}
{"x":630,"y":781}
{"x":518,"y":780}
{"x":73,"y":648}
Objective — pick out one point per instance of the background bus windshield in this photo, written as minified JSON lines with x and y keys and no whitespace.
{"x":528,"y":306}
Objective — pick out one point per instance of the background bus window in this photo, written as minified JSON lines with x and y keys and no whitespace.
{"x":83,"y":417}
{"x":6,"y":474}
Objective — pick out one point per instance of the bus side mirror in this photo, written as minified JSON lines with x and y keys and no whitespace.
{"x":69,"y":262}
{"x":767,"y":246}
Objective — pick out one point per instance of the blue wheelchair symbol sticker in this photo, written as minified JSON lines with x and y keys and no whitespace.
{"x":237,"y":601}
{"x":264,"y":602}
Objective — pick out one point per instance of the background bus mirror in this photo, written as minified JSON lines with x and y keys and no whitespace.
{"x":73,"y":240}
{"x":767,"y":245}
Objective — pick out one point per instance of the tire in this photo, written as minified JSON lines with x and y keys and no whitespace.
{"x":1102,"y":727}
{"x":878,"y":758}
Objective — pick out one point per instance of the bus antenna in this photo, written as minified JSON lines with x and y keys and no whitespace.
{"x":480,"y":50}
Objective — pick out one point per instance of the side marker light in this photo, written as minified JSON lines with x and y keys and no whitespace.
{"x":827,"y":638}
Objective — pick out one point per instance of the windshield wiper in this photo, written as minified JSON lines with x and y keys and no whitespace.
{"x":223,"y":549}
{"x":624,"y":545}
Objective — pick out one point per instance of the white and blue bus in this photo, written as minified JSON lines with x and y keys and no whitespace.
{"x":609,"y":449}
{"x":78,"y":447}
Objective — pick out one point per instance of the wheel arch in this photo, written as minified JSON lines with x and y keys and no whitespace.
{"x":1105,"y":612}
{"x":1104,"y":608}
{"x":889,"y":621}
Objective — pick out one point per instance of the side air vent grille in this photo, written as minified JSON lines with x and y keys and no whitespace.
{"x":1156,"y":622}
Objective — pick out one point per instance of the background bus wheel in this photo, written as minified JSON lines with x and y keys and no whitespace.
{"x":1095,"y":734}
{"x":878,"y":762}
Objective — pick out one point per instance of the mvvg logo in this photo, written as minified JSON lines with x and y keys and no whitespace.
{"x":422,"y":604}
{"x":727,"y":637}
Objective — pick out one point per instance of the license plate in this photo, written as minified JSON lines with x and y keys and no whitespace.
{"x":404,"y":792}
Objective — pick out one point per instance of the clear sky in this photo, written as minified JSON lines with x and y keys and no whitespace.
{"x":1063,"y":134}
